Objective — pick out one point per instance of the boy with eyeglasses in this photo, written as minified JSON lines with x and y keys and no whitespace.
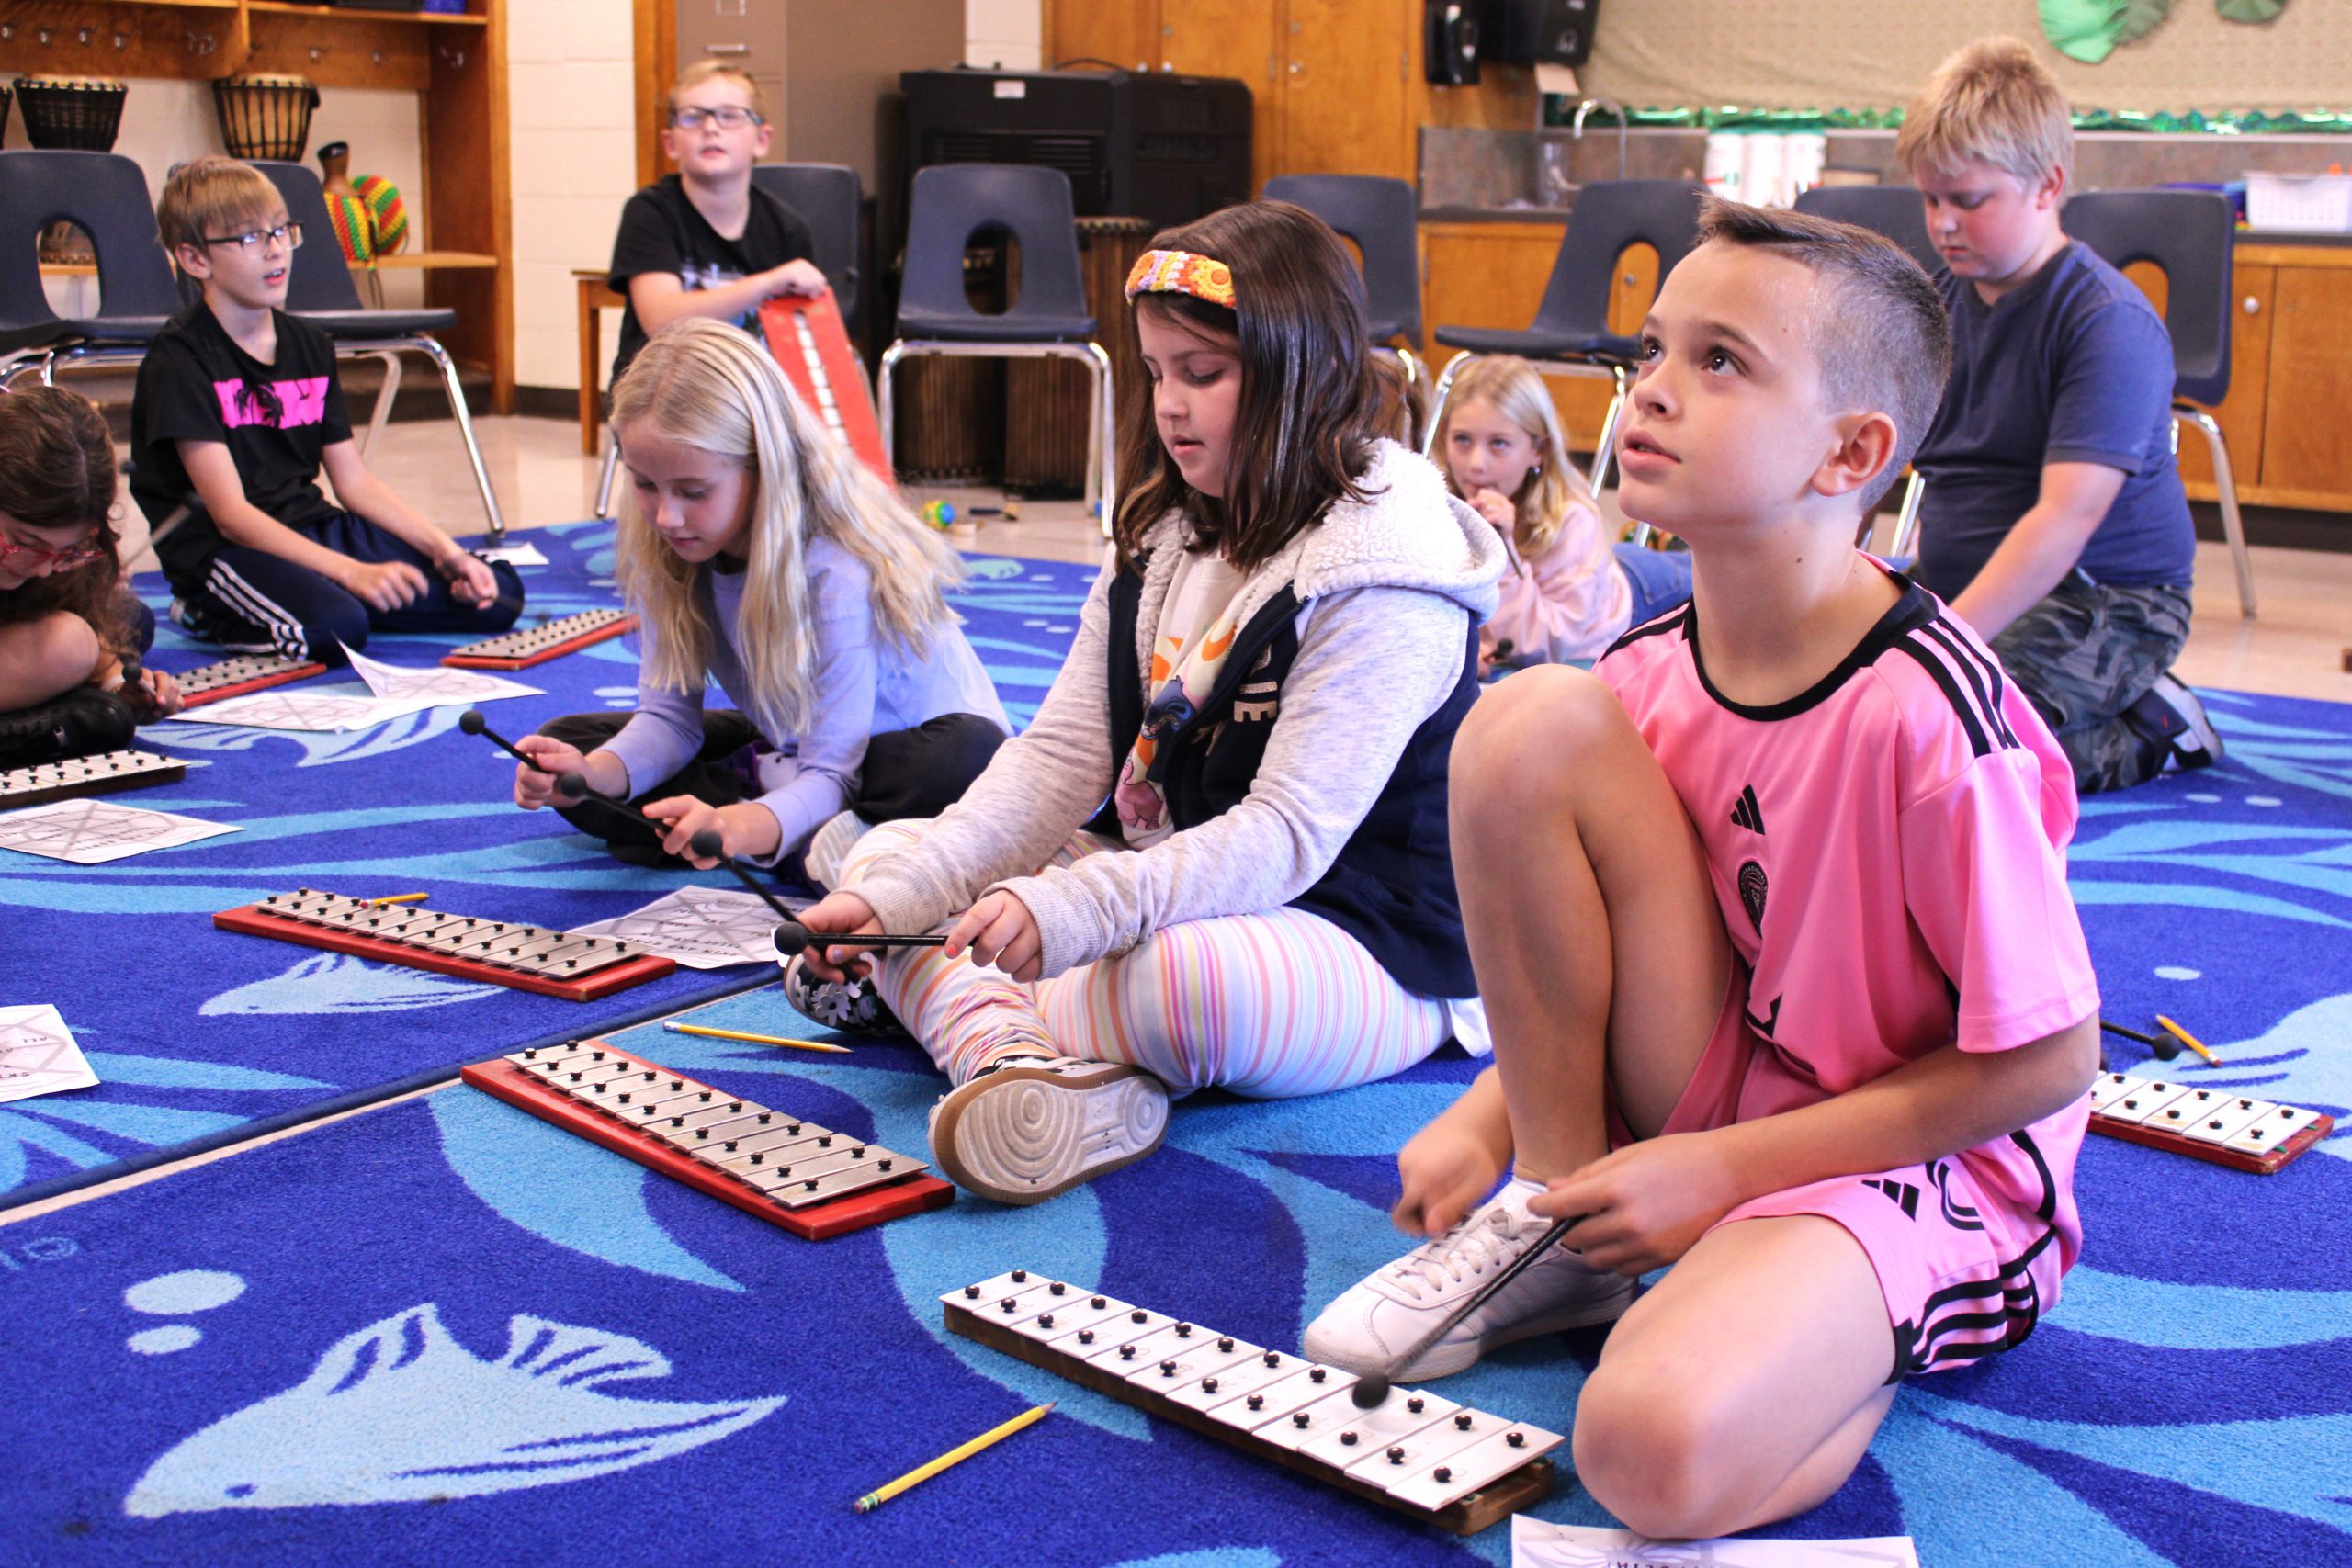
{"x":236,"y":414}
{"x":706,"y":241}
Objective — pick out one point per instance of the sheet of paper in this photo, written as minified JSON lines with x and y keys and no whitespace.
{"x":278,"y":708}
{"x":435,"y":685}
{"x":90,"y":831}
{"x":38,"y":1054}
{"x":515,"y":555}
{"x":1534,"y":1544}
{"x":702,"y":928}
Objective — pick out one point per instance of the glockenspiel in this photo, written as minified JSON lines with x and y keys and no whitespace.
{"x":536,"y":645}
{"x":2239,"y":1130}
{"x":1419,"y":1453}
{"x":247,"y":673}
{"x":504,"y":953}
{"x":805,"y":335}
{"x":101,"y":772}
{"x":812,"y":1180}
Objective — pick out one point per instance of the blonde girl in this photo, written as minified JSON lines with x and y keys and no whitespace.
{"x":762,"y":555}
{"x":1567,"y":594}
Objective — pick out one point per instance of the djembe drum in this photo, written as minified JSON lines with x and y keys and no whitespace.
{"x":1048,"y":403}
{"x":79,"y":114}
{"x":264,"y":114}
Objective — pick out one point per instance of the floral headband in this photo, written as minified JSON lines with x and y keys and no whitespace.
{"x":1182,"y":272}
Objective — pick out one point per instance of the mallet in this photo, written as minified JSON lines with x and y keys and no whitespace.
{"x":1372,"y":1389}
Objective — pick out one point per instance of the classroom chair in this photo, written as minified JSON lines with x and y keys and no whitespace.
{"x":1381,"y":216}
{"x":2192,"y":235}
{"x":953,"y":205}
{"x":319,"y":291}
{"x":1570,"y":334}
{"x":107,"y":195}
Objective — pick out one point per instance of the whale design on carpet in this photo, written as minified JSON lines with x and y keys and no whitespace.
{"x":399,"y":1412}
{"x":337,"y":982}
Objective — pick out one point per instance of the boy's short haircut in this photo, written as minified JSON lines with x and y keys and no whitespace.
{"x":1877,"y":326}
{"x":703,"y":71}
{"x":214,"y":196}
{"x":1991,"y":103}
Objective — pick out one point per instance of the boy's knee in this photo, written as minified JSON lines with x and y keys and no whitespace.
{"x":1652,"y":1450}
{"x":329,"y":628}
{"x":1533,"y":726}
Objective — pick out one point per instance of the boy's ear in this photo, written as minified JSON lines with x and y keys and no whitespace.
{"x":2049,"y":191}
{"x":192,"y":260}
{"x":1865,"y":447}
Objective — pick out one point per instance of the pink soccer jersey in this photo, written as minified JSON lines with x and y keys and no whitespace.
{"x":1888,"y":852}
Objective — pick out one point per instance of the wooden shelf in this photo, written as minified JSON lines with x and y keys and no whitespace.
{"x":361,"y":14}
{"x":422,"y":260}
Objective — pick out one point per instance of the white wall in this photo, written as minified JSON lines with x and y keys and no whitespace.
{"x":573,"y":129}
{"x":1007,"y":35}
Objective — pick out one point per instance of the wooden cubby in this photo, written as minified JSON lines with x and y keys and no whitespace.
{"x":457,"y":63}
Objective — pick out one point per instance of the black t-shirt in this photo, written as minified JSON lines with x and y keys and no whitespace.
{"x":663,"y":231}
{"x":196,"y":384}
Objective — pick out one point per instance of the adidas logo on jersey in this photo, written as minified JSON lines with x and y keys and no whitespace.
{"x":1746,"y":813}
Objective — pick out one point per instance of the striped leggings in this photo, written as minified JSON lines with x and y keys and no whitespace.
{"x":1268,"y":1005}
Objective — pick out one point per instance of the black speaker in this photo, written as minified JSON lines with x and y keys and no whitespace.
{"x":1450,"y":42}
{"x":1556,"y":32}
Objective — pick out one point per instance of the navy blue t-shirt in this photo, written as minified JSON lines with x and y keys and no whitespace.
{"x":2074,"y":366}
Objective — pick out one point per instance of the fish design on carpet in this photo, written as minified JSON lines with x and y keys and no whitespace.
{"x":399,"y":1412}
{"x":337,"y":982}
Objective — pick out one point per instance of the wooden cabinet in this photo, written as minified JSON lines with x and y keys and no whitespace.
{"x":1493,"y":274}
{"x":1344,"y":70}
{"x":1225,"y":38}
{"x":455,"y":64}
{"x":2290,"y":372}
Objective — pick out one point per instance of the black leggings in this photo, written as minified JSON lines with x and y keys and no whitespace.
{"x":907,"y":773}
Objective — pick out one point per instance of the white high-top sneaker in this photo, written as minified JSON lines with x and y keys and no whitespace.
{"x":1032,"y":1127}
{"x":1386,"y":1314}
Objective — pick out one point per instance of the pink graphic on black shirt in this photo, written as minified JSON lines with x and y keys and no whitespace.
{"x":300,"y":401}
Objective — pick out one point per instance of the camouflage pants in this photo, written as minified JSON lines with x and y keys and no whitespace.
{"x":2087,"y":653}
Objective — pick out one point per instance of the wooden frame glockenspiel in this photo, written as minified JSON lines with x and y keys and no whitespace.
{"x":102,"y":772}
{"x":503,"y":952}
{"x":811,"y":341}
{"x":2239,"y":1130}
{"x":812,"y":1180}
{"x":536,"y":645}
{"x":1420,"y":1453}
{"x":247,"y":673}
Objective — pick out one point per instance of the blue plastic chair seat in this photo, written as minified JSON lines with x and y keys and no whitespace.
{"x":114,"y":330}
{"x":379,"y":323}
{"x":969,"y":328}
{"x":1537,"y":344}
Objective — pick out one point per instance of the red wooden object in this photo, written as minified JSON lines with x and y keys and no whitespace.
{"x":816,"y":1222}
{"x":2263,"y":1164}
{"x":256,"y":684}
{"x":255,"y":922}
{"x":842,"y":402}
{"x":465,"y":658}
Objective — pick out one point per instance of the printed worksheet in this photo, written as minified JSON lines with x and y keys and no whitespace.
{"x":513,"y":554}
{"x":281,"y":708}
{"x":436,"y":685}
{"x":38,"y":1054}
{"x":1534,"y":1544}
{"x":702,"y":928}
{"x":92,"y":831}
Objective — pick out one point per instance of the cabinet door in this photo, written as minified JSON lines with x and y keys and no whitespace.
{"x":2305,"y":459}
{"x":2240,"y":414}
{"x":1344,"y":64}
{"x":1236,"y":38}
{"x":1125,"y":35}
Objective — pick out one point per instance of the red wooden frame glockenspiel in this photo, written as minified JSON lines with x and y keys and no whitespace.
{"x":246,"y":672}
{"x":536,"y":645}
{"x":809,"y":342}
{"x":101,"y":772}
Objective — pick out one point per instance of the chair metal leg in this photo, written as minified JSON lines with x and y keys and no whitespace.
{"x":1907,"y":522}
{"x":2225,"y":481}
{"x":440,"y":358}
{"x":1437,"y":404}
{"x":886,"y":407}
{"x":605,"y":481}
{"x":382,"y":415}
{"x":1102,"y":447}
{"x":1414,"y":375}
{"x":1606,"y":452}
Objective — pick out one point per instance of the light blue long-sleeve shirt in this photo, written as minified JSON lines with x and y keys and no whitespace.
{"x":864,"y":688}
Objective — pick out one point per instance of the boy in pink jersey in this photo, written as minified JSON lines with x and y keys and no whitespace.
{"x":1770,"y":919}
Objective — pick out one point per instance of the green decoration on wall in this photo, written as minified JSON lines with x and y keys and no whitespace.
{"x":2082,"y":30}
{"x":2137,"y":19}
{"x":2249,"y":11}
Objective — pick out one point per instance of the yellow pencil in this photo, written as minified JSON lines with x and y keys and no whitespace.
{"x":402,"y":898}
{"x":755,"y":1039}
{"x":2177,"y":1032}
{"x":873,"y":1500}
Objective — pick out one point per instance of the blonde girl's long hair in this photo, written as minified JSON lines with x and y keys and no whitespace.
{"x":711,"y":386}
{"x":1511,"y":388}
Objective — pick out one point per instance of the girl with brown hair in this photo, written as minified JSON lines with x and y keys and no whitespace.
{"x":1219,"y":855}
{"x":67,"y":624}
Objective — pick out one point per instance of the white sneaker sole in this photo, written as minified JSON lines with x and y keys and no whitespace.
{"x":1024,"y":1134}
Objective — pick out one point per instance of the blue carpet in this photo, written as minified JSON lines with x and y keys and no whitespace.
{"x":337,"y":1348}
{"x":200,"y":1035}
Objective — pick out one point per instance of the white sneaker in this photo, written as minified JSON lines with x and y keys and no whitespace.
{"x":1036,"y":1126}
{"x":1386,"y":1314}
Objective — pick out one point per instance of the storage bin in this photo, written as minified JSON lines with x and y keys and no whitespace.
{"x":2312,"y":204}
